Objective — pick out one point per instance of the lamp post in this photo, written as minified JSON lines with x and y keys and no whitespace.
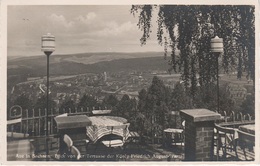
{"x":48,"y":47}
{"x":217,"y":49}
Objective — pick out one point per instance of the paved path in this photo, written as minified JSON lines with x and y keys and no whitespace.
{"x":19,"y":150}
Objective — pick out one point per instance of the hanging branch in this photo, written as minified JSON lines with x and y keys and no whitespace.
{"x":198,"y":24}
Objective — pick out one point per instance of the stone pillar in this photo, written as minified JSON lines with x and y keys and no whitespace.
{"x":199,"y":134}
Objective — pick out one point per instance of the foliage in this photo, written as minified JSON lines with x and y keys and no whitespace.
{"x":189,"y":29}
{"x":142,"y":96}
{"x":156,"y":104}
{"x":153,"y":108}
{"x":125,"y":107}
{"x":226,"y":103}
{"x":140,"y":117}
{"x":67,"y":105}
{"x":41,"y":104}
{"x":87,"y":102}
{"x":23,"y":101}
{"x":207,"y":98}
{"x":248,"y":106}
{"x":180,"y":100}
{"x":110,"y":101}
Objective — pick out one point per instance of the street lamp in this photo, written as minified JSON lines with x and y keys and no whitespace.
{"x":217,"y":49}
{"x":48,"y":47}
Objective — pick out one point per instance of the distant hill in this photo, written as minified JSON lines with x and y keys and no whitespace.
{"x":87,"y":62}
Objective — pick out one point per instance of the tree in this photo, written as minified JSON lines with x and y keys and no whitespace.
{"x":41,"y":104}
{"x":225,"y":102}
{"x":207,"y":98}
{"x":66,"y":105}
{"x":23,"y":101}
{"x":87,"y":102}
{"x":179,"y":100}
{"x":26,"y":104}
{"x":189,"y":28}
{"x":125,"y":107}
{"x":156,"y":107}
{"x":248,"y":106}
{"x":158,"y":92}
{"x":110,"y":101}
{"x":140,"y":112}
{"x":142,"y":98}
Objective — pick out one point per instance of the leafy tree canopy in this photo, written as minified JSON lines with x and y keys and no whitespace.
{"x":110,"y":101}
{"x":179,"y":98}
{"x":23,"y":101}
{"x":67,"y":105}
{"x":157,"y":92}
{"x":189,"y":29}
{"x":248,"y":106}
{"x":41,"y":103}
{"x":87,"y":102}
{"x":126,"y":107}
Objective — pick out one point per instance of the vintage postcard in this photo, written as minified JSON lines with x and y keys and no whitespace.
{"x":129,"y":82}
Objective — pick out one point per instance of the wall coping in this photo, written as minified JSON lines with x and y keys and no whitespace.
{"x":200,"y":115}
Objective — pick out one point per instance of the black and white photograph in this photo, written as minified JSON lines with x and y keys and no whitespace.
{"x":136,"y":82}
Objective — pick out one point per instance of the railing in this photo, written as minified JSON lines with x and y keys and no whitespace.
{"x":227,"y":136}
{"x":33,"y":122}
{"x":235,"y":118}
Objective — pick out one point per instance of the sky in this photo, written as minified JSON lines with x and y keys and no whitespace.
{"x":77,"y":29}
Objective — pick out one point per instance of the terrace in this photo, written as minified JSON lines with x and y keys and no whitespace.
{"x":84,"y":136}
